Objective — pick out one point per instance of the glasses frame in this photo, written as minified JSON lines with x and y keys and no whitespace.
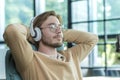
{"x":53,"y":27}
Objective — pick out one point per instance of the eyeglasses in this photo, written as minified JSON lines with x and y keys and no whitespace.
{"x":53,"y":27}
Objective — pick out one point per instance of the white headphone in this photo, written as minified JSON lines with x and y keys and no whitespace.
{"x":35,"y":32}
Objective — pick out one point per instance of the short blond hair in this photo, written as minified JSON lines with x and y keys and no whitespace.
{"x":42,"y":17}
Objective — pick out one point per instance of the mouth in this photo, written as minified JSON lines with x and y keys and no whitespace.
{"x":58,"y":37}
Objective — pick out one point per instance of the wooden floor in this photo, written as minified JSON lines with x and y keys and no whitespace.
{"x":101,"y":78}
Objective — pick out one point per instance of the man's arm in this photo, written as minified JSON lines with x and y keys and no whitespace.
{"x":84,"y":41}
{"x":16,"y":36}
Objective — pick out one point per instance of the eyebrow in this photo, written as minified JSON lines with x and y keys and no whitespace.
{"x":51,"y":23}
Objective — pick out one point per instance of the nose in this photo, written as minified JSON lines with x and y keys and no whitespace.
{"x":59,"y":29}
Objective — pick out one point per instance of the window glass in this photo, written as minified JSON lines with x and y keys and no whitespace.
{"x":15,"y":11}
{"x":100,"y":28}
{"x":79,"y":11}
{"x":80,"y":26}
{"x":101,"y":17}
{"x":60,"y":6}
{"x":99,"y":60}
{"x":113,"y":27}
{"x":112,"y":9}
{"x":96,"y":10}
{"x":18,"y":11}
{"x":113,"y":58}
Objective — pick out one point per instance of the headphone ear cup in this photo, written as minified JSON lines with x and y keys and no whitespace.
{"x":38,"y":34}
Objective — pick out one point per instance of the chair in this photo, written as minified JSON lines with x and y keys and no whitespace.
{"x":11,"y":72}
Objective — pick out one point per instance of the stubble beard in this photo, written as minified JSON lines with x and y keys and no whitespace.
{"x":54,"y":45}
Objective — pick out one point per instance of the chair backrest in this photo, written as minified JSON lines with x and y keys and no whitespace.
{"x":11,"y":72}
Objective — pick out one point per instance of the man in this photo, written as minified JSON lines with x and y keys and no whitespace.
{"x":47,"y":63}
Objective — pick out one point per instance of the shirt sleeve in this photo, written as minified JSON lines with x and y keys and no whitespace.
{"x":84,"y":42}
{"x":15,"y":37}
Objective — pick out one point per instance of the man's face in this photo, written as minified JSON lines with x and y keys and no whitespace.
{"x":51,"y":32}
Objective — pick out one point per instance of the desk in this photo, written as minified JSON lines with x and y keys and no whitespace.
{"x":101,"y":78}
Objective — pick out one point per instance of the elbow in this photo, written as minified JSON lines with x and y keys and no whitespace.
{"x":95,"y":39}
{"x":10,"y":30}
{"x":15,"y":29}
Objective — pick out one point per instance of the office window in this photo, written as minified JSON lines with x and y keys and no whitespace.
{"x":102,"y":18}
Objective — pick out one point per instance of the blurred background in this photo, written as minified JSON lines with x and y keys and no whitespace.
{"x":101,"y":17}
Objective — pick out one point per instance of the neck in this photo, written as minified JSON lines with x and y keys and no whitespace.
{"x":47,"y":49}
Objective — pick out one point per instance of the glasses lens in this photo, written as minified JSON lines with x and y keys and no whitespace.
{"x":54,"y":27}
